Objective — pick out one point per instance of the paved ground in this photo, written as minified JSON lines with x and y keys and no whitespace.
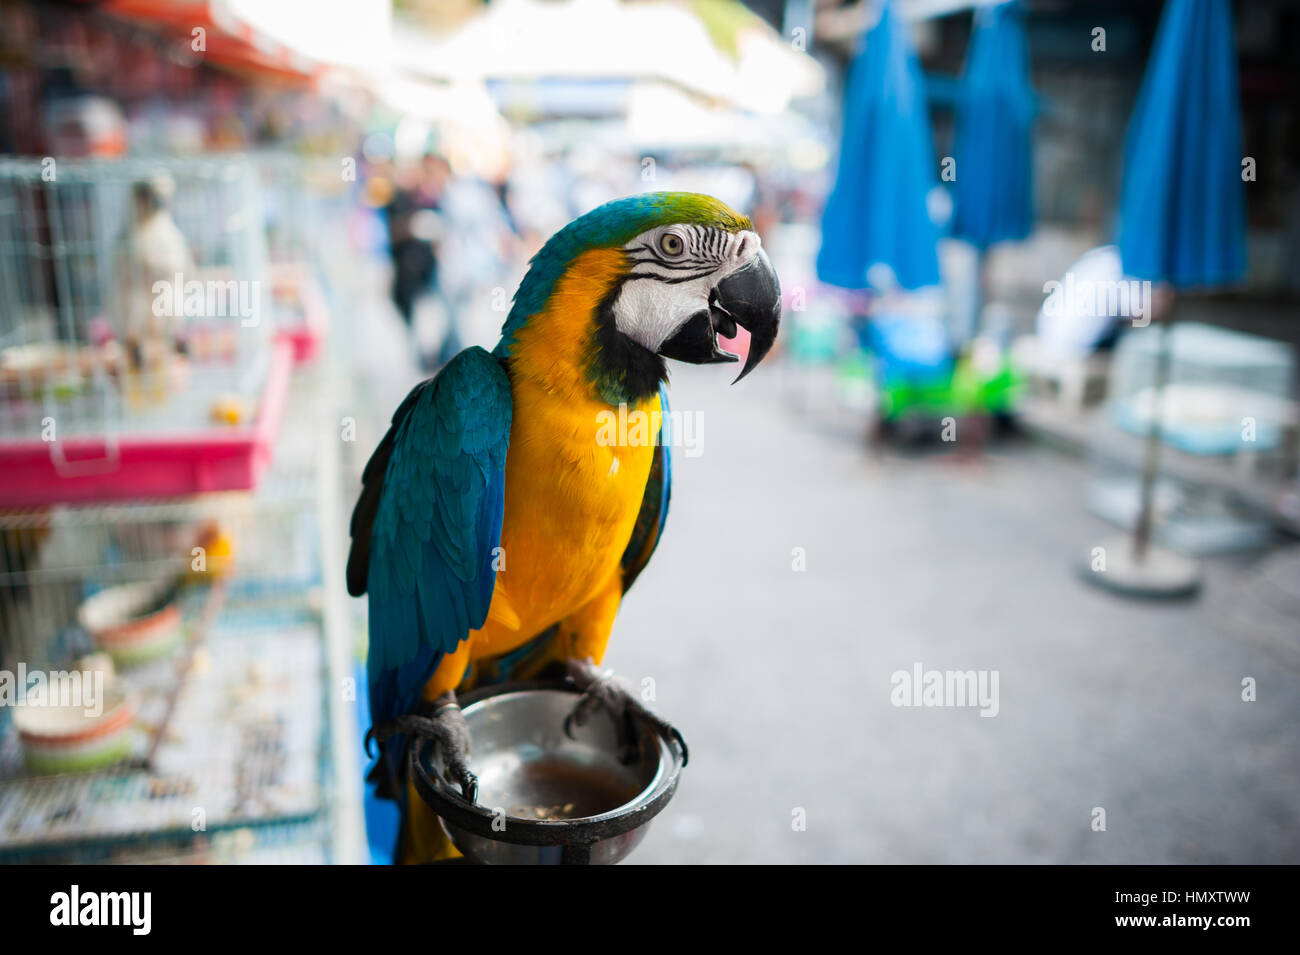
{"x":780,"y":679}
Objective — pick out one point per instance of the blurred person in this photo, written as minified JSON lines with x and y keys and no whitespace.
{"x":481,"y":243}
{"x":536,"y":194}
{"x":412,"y":217}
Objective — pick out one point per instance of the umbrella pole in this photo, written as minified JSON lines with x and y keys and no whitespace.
{"x":1151,"y":457}
{"x":981,"y":291}
{"x":1137,"y":567}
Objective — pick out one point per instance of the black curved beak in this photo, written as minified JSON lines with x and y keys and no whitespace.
{"x":750,"y":298}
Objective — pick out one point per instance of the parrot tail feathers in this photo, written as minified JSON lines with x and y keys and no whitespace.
{"x":381,"y":774}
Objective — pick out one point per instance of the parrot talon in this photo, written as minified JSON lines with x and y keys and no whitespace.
{"x":448,"y":729}
{"x":664,"y":728}
{"x":451,"y":733}
{"x":469,"y":787}
{"x":602,"y":691}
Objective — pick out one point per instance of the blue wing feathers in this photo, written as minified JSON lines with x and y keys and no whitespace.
{"x":666,"y":480}
{"x":436,"y":527}
{"x":650,"y":519}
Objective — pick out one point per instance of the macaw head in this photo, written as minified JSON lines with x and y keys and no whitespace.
{"x":647,"y":278}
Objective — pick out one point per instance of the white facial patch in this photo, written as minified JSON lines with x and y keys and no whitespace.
{"x":666,"y":289}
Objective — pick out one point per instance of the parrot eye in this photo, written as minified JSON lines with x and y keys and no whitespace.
{"x":670,"y":243}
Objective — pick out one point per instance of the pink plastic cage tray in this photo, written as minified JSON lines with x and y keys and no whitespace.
{"x":305,"y":316}
{"x":214,"y":457}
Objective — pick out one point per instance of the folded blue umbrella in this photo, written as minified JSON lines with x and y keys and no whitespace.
{"x":1182,"y":212}
{"x":877,"y":213}
{"x":993,"y":189}
{"x":1182,"y":216}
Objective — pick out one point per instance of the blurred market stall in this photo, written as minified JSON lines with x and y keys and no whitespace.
{"x":166,"y":435}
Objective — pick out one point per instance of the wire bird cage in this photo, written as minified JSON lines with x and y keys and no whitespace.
{"x":240,"y":743}
{"x":208,"y":605}
{"x":131,"y":311}
{"x":266,"y":541}
{"x":302,"y":196}
{"x":232,"y":719}
{"x":52,"y":561}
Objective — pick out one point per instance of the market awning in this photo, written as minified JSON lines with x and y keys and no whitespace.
{"x":226,"y":39}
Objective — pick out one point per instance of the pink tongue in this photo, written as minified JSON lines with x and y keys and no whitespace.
{"x":738,"y":345}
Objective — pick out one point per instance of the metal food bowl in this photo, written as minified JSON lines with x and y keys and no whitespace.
{"x":546,"y":799}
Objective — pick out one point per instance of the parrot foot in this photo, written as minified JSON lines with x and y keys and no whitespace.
{"x":448,"y":729}
{"x":453,"y":739}
{"x":600,"y":690}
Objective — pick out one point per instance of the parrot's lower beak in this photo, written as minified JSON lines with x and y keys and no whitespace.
{"x":750,"y":298}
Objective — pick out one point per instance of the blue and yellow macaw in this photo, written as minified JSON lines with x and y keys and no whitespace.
{"x":497,"y":531}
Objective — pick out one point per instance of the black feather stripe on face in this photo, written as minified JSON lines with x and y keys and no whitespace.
{"x":623,"y":371}
{"x":671,"y":266}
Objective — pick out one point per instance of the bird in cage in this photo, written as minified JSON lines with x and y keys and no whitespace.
{"x":152,"y":250}
{"x":520,"y":492}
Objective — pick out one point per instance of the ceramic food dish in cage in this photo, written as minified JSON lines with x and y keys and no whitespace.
{"x":70,"y":738}
{"x":135,"y":623}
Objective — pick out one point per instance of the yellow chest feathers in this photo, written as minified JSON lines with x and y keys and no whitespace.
{"x":577,"y":468}
{"x":575,"y":481}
